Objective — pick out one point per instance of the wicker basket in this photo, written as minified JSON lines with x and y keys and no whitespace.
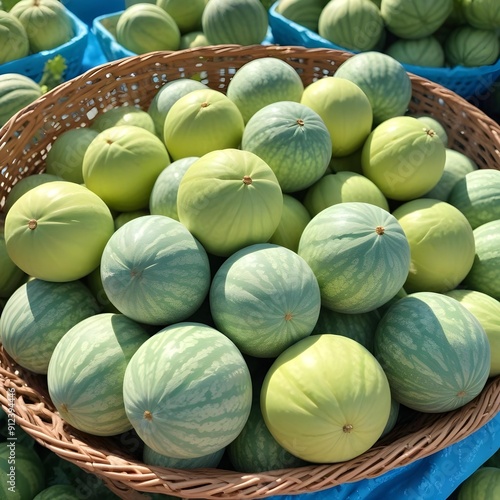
{"x":473,"y":84}
{"x":72,"y":51}
{"x":24,"y":142}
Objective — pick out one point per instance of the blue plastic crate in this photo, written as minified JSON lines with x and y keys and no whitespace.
{"x":467,"y":82}
{"x":72,"y":51}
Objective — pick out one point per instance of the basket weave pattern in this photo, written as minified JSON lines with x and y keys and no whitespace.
{"x":24,"y":142}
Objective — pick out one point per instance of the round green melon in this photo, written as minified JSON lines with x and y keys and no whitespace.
{"x":483,"y":484}
{"x":477,"y":196}
{"x":487,"y":311}
{"x":163,"y":198}
{"x":415,"y":18}
{"x":124,"y":217}
{"x":152,"y":457}
{"x":187,"y":391}
{"x":94,"y":283}
{"x":143,"y":28}
{"x":303,"y":12}
{"x":16,"y":92}
{"x":384,"y":81}
{"x":345,"y":110}
{"x":124,"y":115}
{"x":265,"y":298}
{"x":202,"y":121}
{"x":294,"y":219}
{"x":12,"y":277}
{"x":456,"y":166}
{"x":441,"y":243}
{"x":165,"y":98}
{"x":38,"y":314}
{"x":359,"y":253}
{"x":65,"y":157}
{"x":349,"y":163}
{"x":85,"y":376}
{"x":57,"y":231}
{"x":293,"y":140}
{"x":58,"y":492}
{"x":326,"y":399}
{"x":121,"y":166}
{"x":14,"y":43}
{"x":393,"y":417}
{"x":263,"y":81}
{"x":47,"y":23}
{"x":229,"y":199}
{"x":482,"y":14}
{"x":403,"y":157}
{"x":343,"y":187}
{"x":484,"y":276}
{"x":154,"y":271}
{"x":434,"y":352}
{"x":25,"y":184}
{"x":193,"y":39}
{"x":356,"y":25}
{"x":242,"y":22}
{"x":255,"y":449}
{"x":22,"y":474}
{"x":472,"y":47}
{"x":359,"y":327}
{"x":187,"y":15}
{"x":434,"y":124}
{"x":424,"y":51}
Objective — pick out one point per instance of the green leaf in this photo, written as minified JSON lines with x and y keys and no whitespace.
{"x":53,"y":73}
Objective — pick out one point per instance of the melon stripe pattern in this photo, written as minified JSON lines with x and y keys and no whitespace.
{"x":151,"y":457}
{"x":187,"y":391}
{"x":434,"y":352}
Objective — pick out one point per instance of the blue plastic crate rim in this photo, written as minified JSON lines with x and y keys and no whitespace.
{"x":466,"y":82}
{"x":72,"y":51}
{"x":113,"y":50}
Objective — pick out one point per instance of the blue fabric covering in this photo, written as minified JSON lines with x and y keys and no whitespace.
{"x":432,"y":478}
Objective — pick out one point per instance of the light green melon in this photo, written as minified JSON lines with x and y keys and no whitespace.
{"x":193,"y":39}
{"x":187,"y":15}
{"x":123,"y":115}
{"x":12,"y":277}
{"x":434,"y":124}
{"x":263,"y":81}
{"x":14,"y":41}
{"x":303,"y":12}
{"x":124,"y":217}
{"x":483,"y":484}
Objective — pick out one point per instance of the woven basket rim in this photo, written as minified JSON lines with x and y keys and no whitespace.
{"x":124,"y":474}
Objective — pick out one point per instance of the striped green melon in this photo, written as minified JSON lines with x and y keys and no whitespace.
{"x":303,"y":12}
{"x":123,"y":115}
{"x":265,"y":298}
{"x":471,"y":47}
{"x":456,"y":166}
{"x":487,"y":311}
{"x":12,"y":277}
{"x":434,"y":352}
{"x":359,"y":327}
{"x":294,"y":218}
{"x":483,"y":484}
{"x":143,"y":28}
{"x":293,"y":140}
{"x":415,"y":18}
{"x":200,"y":122}
{"x":38,"y":314}
{"x":163,"y":198}
{"x":484,"y":275}
{"x":384,"y":81}
{"x":193,"y":39}
{"x":425,"y":51}
{"x":356,"y":25}
{"x":58,"y":492}
{"x":16,"y":92}
{"x":477,"y":196}
{"x":187,"y":391}
{"x":152,"y":457}
{"x":243,"y":22}
{"x":22,"y":474}
{"x":86,"y":370}
{"x":239,"y":191}
{"x":25,"y":184}
{"x":94,"y":283}
{"x":165,"y":98}
{"x":256,"y":450}
{"x":326,"y":399}
{"x":441,"y":244}
{"x":342,"y":187}
{"x":57,"y":231}
{"x":187,"y":15}
{"x":65,"y":157}
{"x":483,"y":14}
{"x":46,"y":22}
{"x":263,"y":81}
{"x":359,"y":254}
{"x":154,"y":271}
{"x":393,"y":417}
{"x":14,"y":42}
